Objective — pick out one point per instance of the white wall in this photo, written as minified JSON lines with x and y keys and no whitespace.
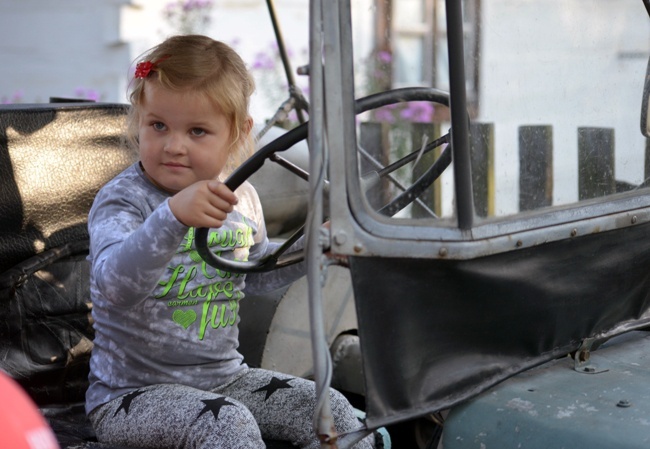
{"x":565,"y":63}
{"x":54,"y":48}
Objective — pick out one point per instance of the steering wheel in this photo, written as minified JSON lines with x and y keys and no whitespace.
{"x":278,"y":258}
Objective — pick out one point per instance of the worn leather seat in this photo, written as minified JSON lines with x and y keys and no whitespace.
{"x":53,"y":160}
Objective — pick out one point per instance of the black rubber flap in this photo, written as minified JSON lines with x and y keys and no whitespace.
{"x":436,"y":332}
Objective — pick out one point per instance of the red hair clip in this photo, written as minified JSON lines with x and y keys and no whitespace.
{"x":143,"y":69}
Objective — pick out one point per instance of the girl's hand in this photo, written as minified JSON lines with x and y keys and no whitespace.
{"x":204,"y":204}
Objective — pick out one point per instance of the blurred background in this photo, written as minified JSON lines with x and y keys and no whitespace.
{"x":561,"y":64}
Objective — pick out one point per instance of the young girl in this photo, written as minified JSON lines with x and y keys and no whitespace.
{"x":165,"y":370}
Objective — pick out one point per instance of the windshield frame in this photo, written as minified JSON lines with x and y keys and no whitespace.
{"x":357,"y":230}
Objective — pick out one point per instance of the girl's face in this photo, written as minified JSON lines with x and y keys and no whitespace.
{"x":183,"y":137}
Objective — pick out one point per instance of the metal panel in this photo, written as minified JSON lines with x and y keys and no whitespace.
{"x":557,"y":406}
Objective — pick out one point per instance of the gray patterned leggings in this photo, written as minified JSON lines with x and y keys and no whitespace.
{"x":254,"y":404}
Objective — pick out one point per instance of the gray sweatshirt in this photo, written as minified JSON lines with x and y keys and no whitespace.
{"x":161,"y":314}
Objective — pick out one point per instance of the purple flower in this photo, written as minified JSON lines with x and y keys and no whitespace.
{"x":263,"y":61}
{"x":16,"y":97}
{"x":190,"y":5}
{"x":385,"y":114}
{"x":174,"y":8}
{"x":384,"y":57}
{"x":170,"y":10}
{"x":418,"y":111}
{"x":92,"y":94}
{"x":87,"y":94}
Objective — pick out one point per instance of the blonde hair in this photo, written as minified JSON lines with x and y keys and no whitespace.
{"x":200,"y":64}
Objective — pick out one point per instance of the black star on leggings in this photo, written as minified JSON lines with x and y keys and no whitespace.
{"x":214,"y":406}
{"x":274,"y":386}
{"x":126,"y":401}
